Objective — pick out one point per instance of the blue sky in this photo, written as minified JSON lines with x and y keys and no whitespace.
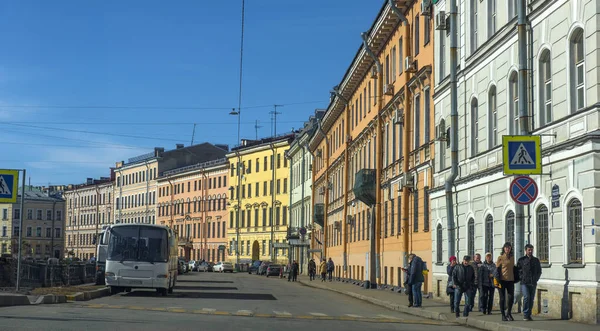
{"x":60,"y":59}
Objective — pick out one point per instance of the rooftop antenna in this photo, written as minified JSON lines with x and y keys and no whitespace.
{"x":256,"y":127}
{"x":274,"y":120}
{"x":193,"y":133}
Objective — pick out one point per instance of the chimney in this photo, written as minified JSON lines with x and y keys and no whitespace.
{"x":179,"y":146}
{"x":158,"y":151}
{"x":90,"y":181}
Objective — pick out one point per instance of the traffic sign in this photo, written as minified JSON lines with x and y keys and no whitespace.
{"x":522,"y":155}
{"x":9,"y":181}
{"x":523,"y":190}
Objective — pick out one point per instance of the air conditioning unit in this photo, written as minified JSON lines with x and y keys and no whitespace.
{"x":409,"y":64}
{"x":388,"y":89}
{"x":408,"y":181}
{"x":399,"y":117}
{"x":440,"y":133}
{"x":373,"y":72}
{"x":440,"y":21}
{"x":425,"y":6}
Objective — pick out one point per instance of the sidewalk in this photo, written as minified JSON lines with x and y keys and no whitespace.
{"x":438,"y":310}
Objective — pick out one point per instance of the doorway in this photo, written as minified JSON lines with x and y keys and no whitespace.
{"x":255,"y":250}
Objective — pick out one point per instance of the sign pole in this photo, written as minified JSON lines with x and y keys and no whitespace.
{"x":19,"y":245}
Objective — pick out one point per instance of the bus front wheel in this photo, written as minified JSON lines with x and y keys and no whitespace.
{"x":162,"y":291}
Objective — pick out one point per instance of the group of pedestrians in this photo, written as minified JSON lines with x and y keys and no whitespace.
{"x":468,"y":277}
{"x":326,"y":269}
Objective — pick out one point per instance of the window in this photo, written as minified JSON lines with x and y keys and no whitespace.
{"x":513,"y":111}
{"x":387,"y":69}
{"x":394,"y":62}
{"x":471,"y":238}
{"x":491,"y":18}
{"x":278,"y":161}
{"x":509,"y":231}
{"x":257,"y":166}
{"x":575,"y":231}
{"x":474,"y":127}
{"x":16,"y":230}
{"x":545,"y":88}
{"x":543,"y":247}
{"x":417,"y":128}
{"x":369,"y":101}
{"x":265,"y":164}
{"x":48,"y":215}
{"x":474,"y":13}
{"x":417,"y":35}
{"x":284,"y":216}
{"x":427,"y":115}
{"x":426,"y":209}
{"x":38,"y":231}
{"x":59,"y":215}
{"x":439,"y":241}
{"x":17,"y":214}
{"x":285,"y":185}
{"x":492,"y":119}
{"x":416,"y":210}
{"x":577,"y":71}
{"x":29,"y":214}
{"x":4,"y":214}
{"x":427,"y":28}
{"x":29,"y":232}
{"x":48,"y":232}
{"x":489,"y":234}
{"x":401,"y":56}
{"x":512,"y":9}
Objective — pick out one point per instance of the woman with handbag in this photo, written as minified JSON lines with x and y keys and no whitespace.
{"x":505,"y":265}
{"x":450,"y":288}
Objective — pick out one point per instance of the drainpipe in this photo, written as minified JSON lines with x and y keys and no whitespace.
{"x":453,"y":127}
{"x":312,"y":197}
{"x":396,"y":11}
{"x":336,"y":92}
{"x":305,"y":150}
{"x":531,"y":107}
{"x":374,"y":274}
{"x":289,"y":230}
{"x":524,"y":126}
{"x":273,"y":207}
{"x":146,"y":219}
{"x":326,"y":196}
{"x":204,"y":223}
{"x":120,"y":200}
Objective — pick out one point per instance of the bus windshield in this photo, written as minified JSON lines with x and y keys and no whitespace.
{"x":138,"y":243}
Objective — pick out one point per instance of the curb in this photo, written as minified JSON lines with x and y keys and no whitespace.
{"x":89,"y":295}
{"x":13,"y":300}
{"x":474,"y":323}
{"x":50,"y":299}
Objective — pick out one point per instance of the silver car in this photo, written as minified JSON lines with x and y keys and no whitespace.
{"x":223,"y":267}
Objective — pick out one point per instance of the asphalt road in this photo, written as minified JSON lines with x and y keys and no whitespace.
{"x":215,"y":301}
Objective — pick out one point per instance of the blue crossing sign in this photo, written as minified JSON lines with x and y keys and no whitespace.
{"x":523,"y":190}
{"x":9,"y":181}
{"x":522,"y":155}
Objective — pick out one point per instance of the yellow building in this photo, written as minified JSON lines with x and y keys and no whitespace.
{"x":258,"y":208}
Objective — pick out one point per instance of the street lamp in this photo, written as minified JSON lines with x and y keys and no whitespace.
{"x":239,"y":201}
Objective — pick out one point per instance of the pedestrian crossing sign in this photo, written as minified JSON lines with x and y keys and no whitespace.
{"x":522,"y":155}
{"x":9,"y":180}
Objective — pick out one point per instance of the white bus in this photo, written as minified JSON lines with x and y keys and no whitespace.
{"x":101,"y":252}
{"x":141,"y":256}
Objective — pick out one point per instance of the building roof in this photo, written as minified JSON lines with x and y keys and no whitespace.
{"x":37,"y":195}
{"x":247,"y":143}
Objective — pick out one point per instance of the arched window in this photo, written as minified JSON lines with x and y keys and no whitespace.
{"x":474,"y":126}
{"x":574,"y":212}
{"x":545,"y":70}
{"x":577,"y":70}
{"x":513,"y":104}
{"x":471,"y":238}
{"x":492,"y":118}
{"x":489,"y":234}
{"x":543,"y":246}
{"x":439,"y":242}
{"x":510,"y":228}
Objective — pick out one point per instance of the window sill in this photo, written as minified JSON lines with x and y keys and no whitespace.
{"x":574,"y":266}
{"x":546,"y":265}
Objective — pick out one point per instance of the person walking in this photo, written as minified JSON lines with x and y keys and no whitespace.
{"x":463,"y":277}
{"x":312,"y":269}
{"x":295,"y":269}
{"x":330,"y":268}
{"x":486,"y":284}
{"x":323,"y":269}
{"x":505,"y":265}
{"x":530,"y":271}
{"x":450,"y":286}
{"x":407,"y":286}
{"x":416,"y":278}
{"x":476,"y":264}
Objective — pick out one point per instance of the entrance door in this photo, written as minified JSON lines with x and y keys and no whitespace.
{"x":255,"y":250}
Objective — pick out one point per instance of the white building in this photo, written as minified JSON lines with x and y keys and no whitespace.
{"x":563,"y":94}
{"x":301,"y":192}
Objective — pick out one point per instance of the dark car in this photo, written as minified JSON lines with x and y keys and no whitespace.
{"x":262,"y":270}
{"x":253,"y":268}
{"x":274,"y":270}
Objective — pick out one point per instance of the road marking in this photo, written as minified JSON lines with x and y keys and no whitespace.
{"x":157,"y":309}
{"x":209,"y":310}
{"x":244,"y":313}
{"x":136,"y":308}
{"x":318,"y":314}
{"x":352,"y":315}
{"x":282,"y":313}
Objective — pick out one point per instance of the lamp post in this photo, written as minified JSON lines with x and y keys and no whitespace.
{"x":239,"y":185}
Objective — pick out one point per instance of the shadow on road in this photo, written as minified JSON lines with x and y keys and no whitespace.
{"x":216,"y":288}
{"x":205,"y":295}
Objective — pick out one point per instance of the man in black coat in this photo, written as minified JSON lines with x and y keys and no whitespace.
{"x":530,"y":271}
{"x":463,"y":278}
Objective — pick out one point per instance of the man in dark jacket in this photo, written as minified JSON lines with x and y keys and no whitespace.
{"x":450,"y":287}
{"x":530,"y":271}
{"x":463,"y":278}
{"x":486,"y":283}
{"x":416,"y":279}
{"x":312,"y":269}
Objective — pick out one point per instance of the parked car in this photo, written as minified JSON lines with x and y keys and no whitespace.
{"x":262,"y":270}
{"x":223,"y":267}
{"x":204,"y":266}
{"x":181,"y":266}
{"x":274,"y":270}
{"x":192,"y":265}
{"x":253,"y":268}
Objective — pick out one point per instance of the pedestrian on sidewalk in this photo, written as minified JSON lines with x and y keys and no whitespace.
{"x":294,"y":271}
{"x":476,"y":265}
{"x":450,"y":287}
{"x":312,"y":269}
{"x":407,"y":286}
{"x":463,"y":277}
{"x":530,"y":271}
{"x":288,"y":269}
{"x":486,"y":284}
{"x":330,"y":268}
{"x":416,"y":278}
{"x":323,"y":269}
{"x":506,"y":276}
